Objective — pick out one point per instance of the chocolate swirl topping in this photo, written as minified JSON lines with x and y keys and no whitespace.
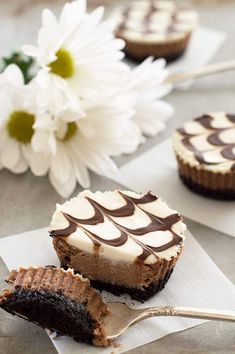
{"x":149,"y":13}
{"x":213,"y":136}
{"x":113,"y":215}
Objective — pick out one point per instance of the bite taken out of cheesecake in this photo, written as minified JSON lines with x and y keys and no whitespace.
{"x":122,"y":241}
{"x":58,"y":300}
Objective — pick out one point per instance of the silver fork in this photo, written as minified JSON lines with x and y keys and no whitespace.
{"x":200,"y":72}
{"x":122,"y":317}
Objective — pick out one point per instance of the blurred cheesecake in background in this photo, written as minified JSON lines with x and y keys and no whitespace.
{"x":155,"y":28}
{"x":205,"y":151}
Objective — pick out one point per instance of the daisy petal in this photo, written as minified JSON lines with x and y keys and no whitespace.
{"x":71,"y":15}
{"x":80,"y":169}
{"x":10,"y":154}
{"x":30,"y":50}
{"x":11,"y":78}
{"x":40,"y":163}
{"x":82,"y":174}
{"x":64,"y":189}
{"x":164,"y":109}
{"x":99,"y":162}
{"x":49,"y":20}
{"x":20,"y":167}
{"x":151,"y":117}
{"x":40,"y":140}
{"x":87,"y":128}
{"x":43,"y":78}
{"x":61,"y":166}
{"x":15,"y":75}
{"x":27,"y":152}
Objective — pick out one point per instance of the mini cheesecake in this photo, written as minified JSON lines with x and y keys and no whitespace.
{"x":155,"y":28}
{"x":205,"y":151}
{"x":122,"y":241}
{"x":57,"y":300}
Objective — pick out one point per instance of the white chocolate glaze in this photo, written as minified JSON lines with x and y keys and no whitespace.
{"x":197,"y":142}
{"x":126,"y":226}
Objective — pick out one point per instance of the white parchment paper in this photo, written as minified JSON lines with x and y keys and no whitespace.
{"x":196,"y":281}
{"x":203,"y":46}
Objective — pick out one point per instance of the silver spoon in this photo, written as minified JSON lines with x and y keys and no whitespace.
{"x":200,"y":72}
{"x":122,"y":317}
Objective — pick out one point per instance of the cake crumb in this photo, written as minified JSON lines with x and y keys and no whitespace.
{"x":116,"y":344}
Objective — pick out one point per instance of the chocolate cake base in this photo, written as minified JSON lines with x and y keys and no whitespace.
{"x":52,"y":311}
{"x":139,"y":294}
{"x":219,"y":194}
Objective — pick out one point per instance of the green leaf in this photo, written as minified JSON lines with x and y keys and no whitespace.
{"x":24,"y":62}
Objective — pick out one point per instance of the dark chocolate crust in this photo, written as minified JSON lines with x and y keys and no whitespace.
{"x":219,"y":194}
{"x":170,"y":51}
{"x":139,"y":294}
{"x":141,"y":57}
{"x":53,"y":311}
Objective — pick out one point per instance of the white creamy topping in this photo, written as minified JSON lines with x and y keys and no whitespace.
{"x":111,"y":227}
{"x":200,"y":140}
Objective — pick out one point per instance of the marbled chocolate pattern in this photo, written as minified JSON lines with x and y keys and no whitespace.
{"x":155,"y":18}
{"x":211,"y":139}
{"x":135,"y":231}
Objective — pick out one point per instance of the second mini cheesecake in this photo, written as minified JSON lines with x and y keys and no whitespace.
{"x":205,"y":151}
{"x":155,"y":28}
{"x":122,"y":241}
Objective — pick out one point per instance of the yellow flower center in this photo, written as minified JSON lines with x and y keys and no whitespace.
{"x":20,"y":126}
{"x":71,"y":131}
{"x":63,"y":65}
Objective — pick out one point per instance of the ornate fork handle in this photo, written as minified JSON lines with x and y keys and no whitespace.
{"x":189,"y":312}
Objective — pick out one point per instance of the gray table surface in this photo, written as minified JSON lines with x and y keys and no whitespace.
{"x":27,"y":202}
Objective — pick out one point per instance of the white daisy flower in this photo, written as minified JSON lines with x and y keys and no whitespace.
{"x":144,"y":86}
{"x":17,"y":116}
{"x":68,"y":149}
{"x":76,"y":52}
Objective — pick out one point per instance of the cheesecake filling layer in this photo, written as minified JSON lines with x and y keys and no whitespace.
{"x":94,"y":267}
{"x":120,"y":226}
